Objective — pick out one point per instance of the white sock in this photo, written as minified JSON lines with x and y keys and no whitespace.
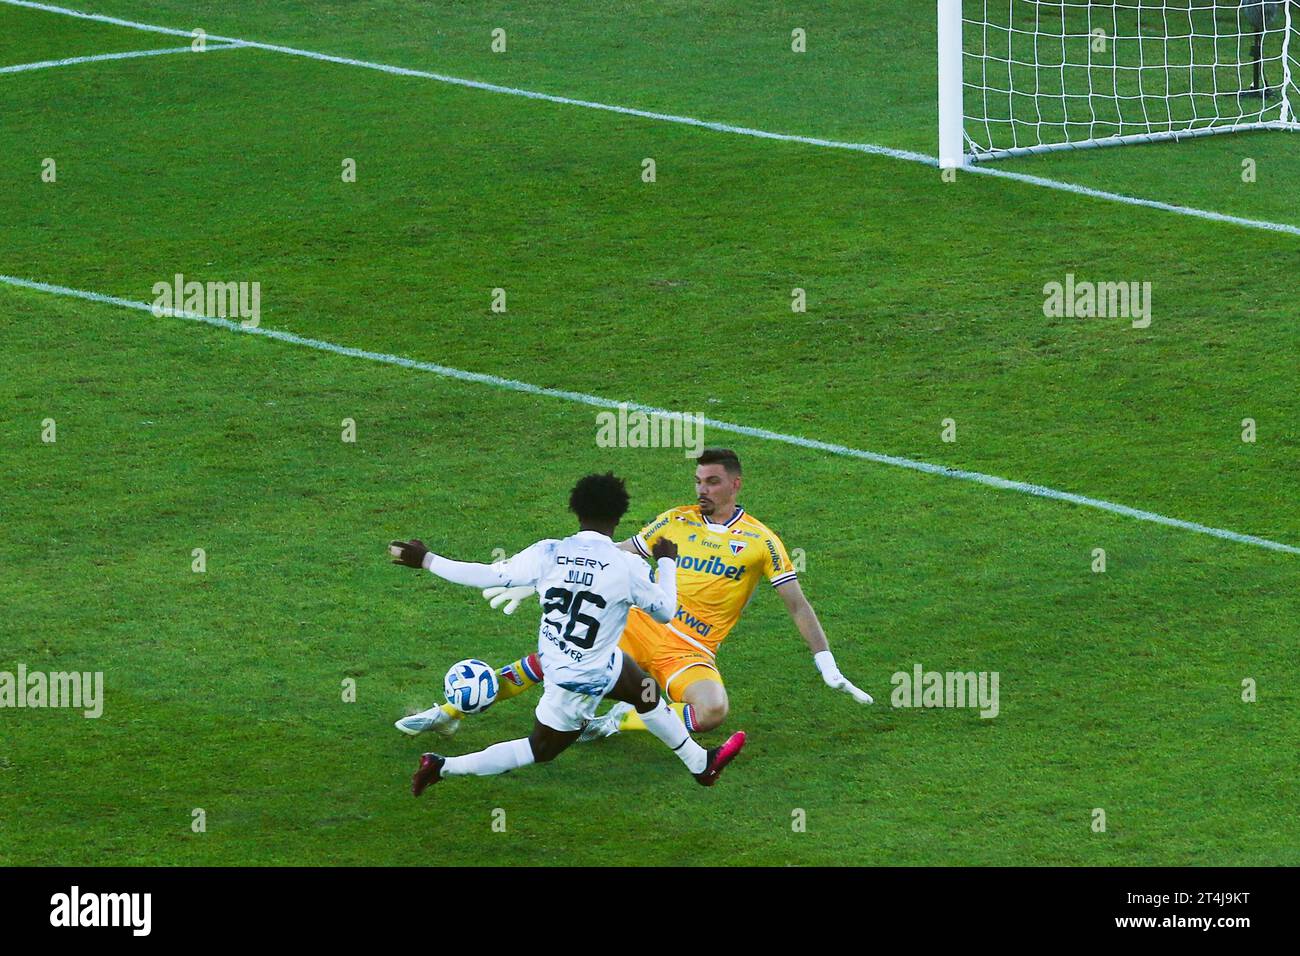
{"x":499,"y":758}
{"x":664,"y":723}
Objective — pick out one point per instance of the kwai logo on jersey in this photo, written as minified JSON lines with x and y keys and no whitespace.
{"x":684,"y":616}
{"x":712,"y":565}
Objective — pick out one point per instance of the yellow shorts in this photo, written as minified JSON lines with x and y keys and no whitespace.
{"x":674,"y":663}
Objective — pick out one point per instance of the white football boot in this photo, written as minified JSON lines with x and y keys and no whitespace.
{"x":435,"y":718}
{"x":606,"y":726}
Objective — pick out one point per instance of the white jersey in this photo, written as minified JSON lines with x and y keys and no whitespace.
{"x":586,"y":585}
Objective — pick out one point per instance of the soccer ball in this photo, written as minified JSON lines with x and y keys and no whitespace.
{"x":471,"y":686}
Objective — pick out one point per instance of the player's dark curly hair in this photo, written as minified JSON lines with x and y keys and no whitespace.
{"x":599,"y":498}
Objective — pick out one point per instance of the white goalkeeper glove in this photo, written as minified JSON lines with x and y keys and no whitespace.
{"x":510,"y":597}
{"x":830,"y":672}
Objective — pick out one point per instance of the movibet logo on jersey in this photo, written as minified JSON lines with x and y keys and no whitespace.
{"x":713,"y":565}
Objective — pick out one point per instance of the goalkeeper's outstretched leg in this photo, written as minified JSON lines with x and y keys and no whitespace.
{"x":512,"y":680}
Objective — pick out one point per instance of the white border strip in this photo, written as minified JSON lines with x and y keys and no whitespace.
{"x":991,"y":481}
{"x":129,"y":55}
{"x":869,"y":148}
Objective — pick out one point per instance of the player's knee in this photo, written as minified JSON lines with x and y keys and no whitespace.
{"x":710,"y":714}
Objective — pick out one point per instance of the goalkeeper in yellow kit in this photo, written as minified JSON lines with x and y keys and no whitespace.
{"x":722,"y":553}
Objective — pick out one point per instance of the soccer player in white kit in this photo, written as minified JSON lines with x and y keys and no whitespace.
{"x":587,"y":585}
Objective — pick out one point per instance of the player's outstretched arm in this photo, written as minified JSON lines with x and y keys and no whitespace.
{"x":415,"y":554}
{"x":805,"y":619}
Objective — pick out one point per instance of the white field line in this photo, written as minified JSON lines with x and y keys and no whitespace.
{"x":129,"y":55}
{"x":869,"y":148}
{"x":991,"y":481}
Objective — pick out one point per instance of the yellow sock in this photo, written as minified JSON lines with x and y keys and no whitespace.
{"x":518,"y":676}
{"x":632,"y":720}
{"x":512,"y":680}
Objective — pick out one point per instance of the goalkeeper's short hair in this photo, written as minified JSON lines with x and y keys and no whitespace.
{"x":725,"y":457}
{"x":599,"y":498}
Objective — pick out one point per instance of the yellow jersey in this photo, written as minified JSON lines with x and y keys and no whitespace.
{"x":718,"y":567}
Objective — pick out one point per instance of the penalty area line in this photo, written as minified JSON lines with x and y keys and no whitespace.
{"x":495,"y":381}
{"x":868,"y":148}
{"x":100,"y":57}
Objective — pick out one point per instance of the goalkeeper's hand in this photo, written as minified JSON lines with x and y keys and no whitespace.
{"x":410,"y":554}
{"x":510,"y":597}
{"x":835,"y":680}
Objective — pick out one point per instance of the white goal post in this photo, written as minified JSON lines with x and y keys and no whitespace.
{"x":1018,"y":77}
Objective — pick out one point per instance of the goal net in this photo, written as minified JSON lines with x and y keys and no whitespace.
{"x":1029,"y":76}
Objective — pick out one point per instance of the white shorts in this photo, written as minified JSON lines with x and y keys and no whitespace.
{"x":569,"y":707}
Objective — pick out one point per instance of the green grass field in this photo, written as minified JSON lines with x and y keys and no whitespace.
{"x":224,"y":689}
